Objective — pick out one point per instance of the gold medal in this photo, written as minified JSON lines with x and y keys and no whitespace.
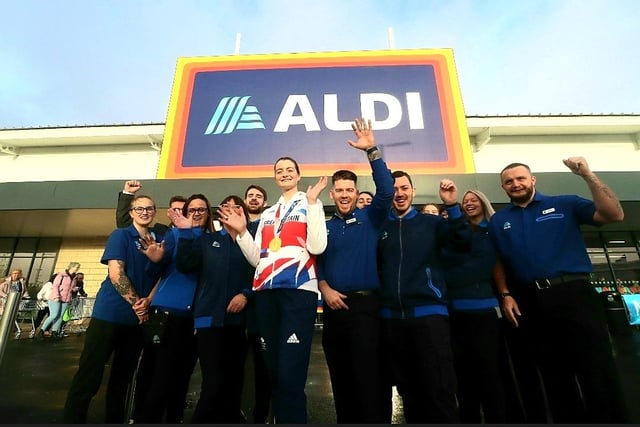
{"x":275,"y":244}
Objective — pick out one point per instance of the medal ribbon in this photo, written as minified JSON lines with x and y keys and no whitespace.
{"x":276,"y":232}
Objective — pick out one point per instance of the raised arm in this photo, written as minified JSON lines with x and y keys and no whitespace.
{"x":608,"y":208}
{"x":123,"y":219}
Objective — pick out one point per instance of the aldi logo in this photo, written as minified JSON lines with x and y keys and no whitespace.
{"x":233,"y":116}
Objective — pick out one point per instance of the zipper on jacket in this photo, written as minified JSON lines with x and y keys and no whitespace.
{"x":400,"y":267}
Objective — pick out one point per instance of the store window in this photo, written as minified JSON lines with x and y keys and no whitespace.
{"x":623,"y":255}
{"x":602,"y":275}
{"x":36,"y":258}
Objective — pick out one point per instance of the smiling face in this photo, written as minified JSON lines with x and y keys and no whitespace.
{"x":143,"y":211}
{"x":198,"y":212}
{"x":345,"y":195}
{"x":364,"y":199}
{"x":255,"y":201}
{"x":472,"y":206}
{"x":430,"y":209}
{"x":519,"y":184}
{"x":403,"y":195}
{"x":286,"y":175}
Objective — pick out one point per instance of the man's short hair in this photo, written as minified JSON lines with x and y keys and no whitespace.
{"x":257,"y":187}
{"x":398,"y":174}
{"x":366,"y":192}
{"x":515,"y":165}
{"x":345,"y":175}
{"x":177,"y":199}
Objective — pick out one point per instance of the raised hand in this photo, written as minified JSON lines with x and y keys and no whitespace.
{"x":577,"y":165}
{"x":233,"y":218}
{"x":152,"y":249}
{"x":179,"y":220}
{"x":364,"y":132}
{"x":448,"y":191}
{"x":132,"y":186}
{"x":313,"y":191}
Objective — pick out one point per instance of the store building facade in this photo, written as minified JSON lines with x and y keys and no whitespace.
{"x":60,"y":185}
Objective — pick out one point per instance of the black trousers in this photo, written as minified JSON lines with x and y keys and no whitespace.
{"x":222,"y":352}
{"x":102,"y":341}
{"x":566,"y":331}
{"x":423,"y":368}
{"x":352,"y":344}
{"x":172,"y":362}
{"x":478,"y":347}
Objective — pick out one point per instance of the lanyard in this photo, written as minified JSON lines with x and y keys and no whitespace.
{"x":280,"y":223}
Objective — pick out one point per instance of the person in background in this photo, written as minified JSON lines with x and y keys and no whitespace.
{"x":59,"y":299}
{"x":415,"y":318}
{"x":290,"y":235}
{"x":474,"y":311}
{"x":431,"y":209}
{"x":79,"y":289}
{"x":548,"y":296}
{"x":115,"y":331}
{"x":43,"y":306}
{"x":351,"y":337}
{"x":255,"y":198}
{"x":224,"y":286}
{"x":365,"y":198}
{"x":14,"y":283}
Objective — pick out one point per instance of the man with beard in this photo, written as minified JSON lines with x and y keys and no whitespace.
{"x":558,"y":314}
{"x":349,"y":283}
{"x":415,"y":318}
{"x":255,"y":197}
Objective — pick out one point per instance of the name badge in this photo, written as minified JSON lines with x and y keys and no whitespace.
{"x":546,"y":211}
{"x":350,"y":220}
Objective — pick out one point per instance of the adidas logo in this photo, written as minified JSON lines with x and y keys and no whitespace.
{"x":293,"y":339}
{"x":233,"y":113}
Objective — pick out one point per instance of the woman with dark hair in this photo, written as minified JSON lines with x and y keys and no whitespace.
{"x":224,"y":287}
{"x":172,"y":356}
{"x":289,"y":236}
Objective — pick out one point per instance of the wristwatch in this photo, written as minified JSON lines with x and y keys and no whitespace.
{"x":503,"y":295}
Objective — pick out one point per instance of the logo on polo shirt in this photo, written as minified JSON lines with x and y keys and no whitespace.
{"x":293,"y":339}
{"x":506,"y":226}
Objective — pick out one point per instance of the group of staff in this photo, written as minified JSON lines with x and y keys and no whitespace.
{"x":410,"y":300}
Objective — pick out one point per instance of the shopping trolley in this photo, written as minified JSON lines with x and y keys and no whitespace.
{"x":80,"y":310}
{"x":27,"y":312}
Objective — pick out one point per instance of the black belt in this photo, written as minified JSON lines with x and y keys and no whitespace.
{"x":360,"y":293}
{"x":555,"y":281}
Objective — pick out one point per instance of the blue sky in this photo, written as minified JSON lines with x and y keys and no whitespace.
{"x":86,"y":62}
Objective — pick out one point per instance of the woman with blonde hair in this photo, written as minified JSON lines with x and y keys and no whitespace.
{"x":476,"y":331}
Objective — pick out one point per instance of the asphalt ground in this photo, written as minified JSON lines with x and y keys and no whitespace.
{"x":36,"y":373}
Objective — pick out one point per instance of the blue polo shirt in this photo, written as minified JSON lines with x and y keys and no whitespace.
{"x":349,"y":263}
{"x":543,"y":239}
{"x":109,"y":305}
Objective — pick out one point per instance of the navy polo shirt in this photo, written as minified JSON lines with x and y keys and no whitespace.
{"x":543,"y":239}
{"x":109,"y":305}
{"x":349,"y":263}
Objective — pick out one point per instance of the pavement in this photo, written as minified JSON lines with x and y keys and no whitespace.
{"x":36,"y":373}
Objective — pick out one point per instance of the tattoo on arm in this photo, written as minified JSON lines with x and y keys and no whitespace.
{"x":123,"y":285}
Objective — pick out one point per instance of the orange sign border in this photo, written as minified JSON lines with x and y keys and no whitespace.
{"x":456,"y":136}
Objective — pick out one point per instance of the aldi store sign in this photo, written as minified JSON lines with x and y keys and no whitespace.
{"x":233,"y":116}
